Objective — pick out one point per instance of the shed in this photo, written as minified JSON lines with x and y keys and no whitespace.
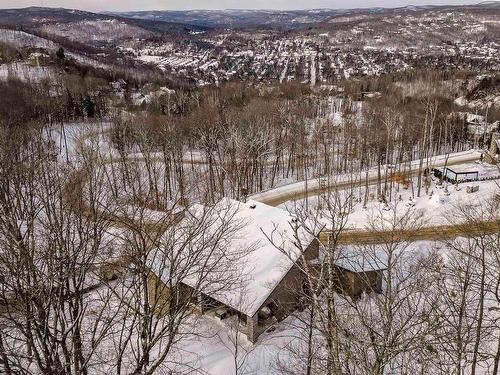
{"x":456,"y":176}
{"x":360,"y":271}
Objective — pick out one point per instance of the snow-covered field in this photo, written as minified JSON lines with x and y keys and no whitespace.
{"x":21,"y":39}
{"x":434,"y":207}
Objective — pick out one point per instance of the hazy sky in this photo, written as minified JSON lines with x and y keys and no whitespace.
{"x":98,"y":5}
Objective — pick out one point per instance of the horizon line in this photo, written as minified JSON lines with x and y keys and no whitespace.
{"x":256,"y":9}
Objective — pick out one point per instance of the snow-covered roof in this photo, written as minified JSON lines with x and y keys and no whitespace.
{"x":474,"y":118}
{"x":356,"y":260}
{"x":259,"y":263}
{"x":463,"y":169}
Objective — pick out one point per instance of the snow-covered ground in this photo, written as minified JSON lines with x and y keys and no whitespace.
{"x":437,"y":207}
{"x":68,"y":136}
{"x":434,"y":207}
{"x":293,"y":191}
{"x":25,"y":72}
{"x":22,"y":39}
{"x":211,"y":349}
{"x":433,"y":210}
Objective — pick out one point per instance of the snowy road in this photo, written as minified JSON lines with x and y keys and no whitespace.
{"x":433,"y":233}
{"x":297,"y":190}
{"x":311,"y":188}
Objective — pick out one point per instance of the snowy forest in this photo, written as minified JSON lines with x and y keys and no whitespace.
{"x":153,"y":226}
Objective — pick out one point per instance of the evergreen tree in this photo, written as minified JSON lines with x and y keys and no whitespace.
{"x":60,"y":54}
{"x":88,"y":107}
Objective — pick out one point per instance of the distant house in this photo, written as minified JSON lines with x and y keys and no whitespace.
{"x":478,"y":128}
{"x":359,"y":272}
{"x":269,"y":272}
{"x":38,"y":58}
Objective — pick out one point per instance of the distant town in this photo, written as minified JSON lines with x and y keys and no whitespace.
{"x":250,"y":192}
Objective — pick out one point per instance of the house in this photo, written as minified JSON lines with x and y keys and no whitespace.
{"x":264,"y":254}
{"x":359,"y":271}
{"x":478,"y":128}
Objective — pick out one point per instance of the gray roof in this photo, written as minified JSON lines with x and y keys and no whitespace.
{"x":361,"y":260}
